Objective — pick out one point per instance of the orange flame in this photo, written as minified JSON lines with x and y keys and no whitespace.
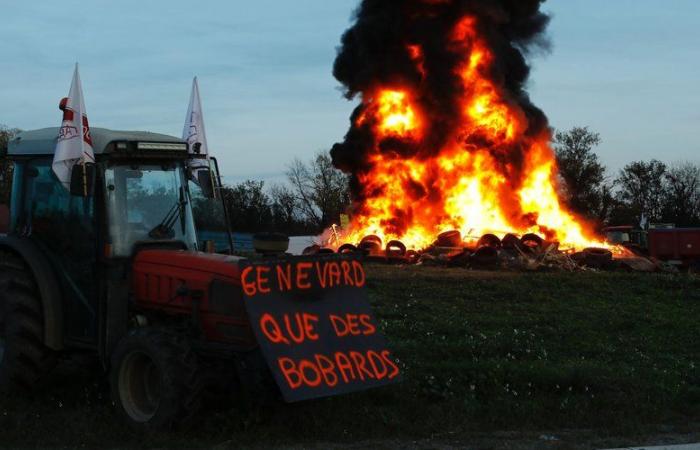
{"x":463,"y":186}
{"x":393,"y":114}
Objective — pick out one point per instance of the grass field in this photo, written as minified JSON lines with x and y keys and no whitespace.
{"x":615,"y":353}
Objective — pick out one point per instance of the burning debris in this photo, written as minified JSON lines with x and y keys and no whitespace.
{"x":527,"y":252}
{"x":446,"y":138}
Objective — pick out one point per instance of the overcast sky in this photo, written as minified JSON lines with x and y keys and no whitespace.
{"x":629,"y":69}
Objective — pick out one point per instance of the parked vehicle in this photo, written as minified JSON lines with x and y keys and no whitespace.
{"x":665,"y":242}
{"x":679,"y":246}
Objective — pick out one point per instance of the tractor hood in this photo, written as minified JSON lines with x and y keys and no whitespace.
{"x":202,"y":285}
{"x":207,"y":264}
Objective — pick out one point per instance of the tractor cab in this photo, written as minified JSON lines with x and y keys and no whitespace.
{"x":139,"y":193}
{"x":137,"y":196}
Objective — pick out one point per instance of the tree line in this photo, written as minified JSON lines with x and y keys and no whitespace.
{"x":312,"y":199}
{"x":642,"y":191}
{"x":315,"y":194}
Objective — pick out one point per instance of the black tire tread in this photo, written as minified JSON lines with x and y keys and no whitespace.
{"x":183,"y":399}
{"x":27,"y":360}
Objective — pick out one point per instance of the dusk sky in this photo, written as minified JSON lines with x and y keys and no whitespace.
{"x":629,"y":69}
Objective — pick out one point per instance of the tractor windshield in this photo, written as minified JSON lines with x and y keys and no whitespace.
{"x":148,"y":203}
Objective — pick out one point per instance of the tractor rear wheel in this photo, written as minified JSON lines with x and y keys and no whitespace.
{"x":24,"y":359}
{"x":155,"y":379}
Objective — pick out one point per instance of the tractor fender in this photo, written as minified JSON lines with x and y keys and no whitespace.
{"x":47,"y":283}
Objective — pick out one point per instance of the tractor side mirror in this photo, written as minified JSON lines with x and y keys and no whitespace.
{"x":82,"y":180}
{"x":205,"y":182}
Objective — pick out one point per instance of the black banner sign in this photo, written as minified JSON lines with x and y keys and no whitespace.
{"x":315,"y":327}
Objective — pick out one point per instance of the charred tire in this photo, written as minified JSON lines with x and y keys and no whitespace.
{"x":347,"y":248}
{"x":511,"y":242}
{"x":155,"y":380}
{"x":489,"y":240}
{"x":24,"y":359}
{"x":371,"y":245}
{"x":532,"y":242}
{"x":371,"y":238}
{"x":449,"y":239}
{"x":597,"y":258}
{"x":396,"y":248}
{"x":412,"y":256}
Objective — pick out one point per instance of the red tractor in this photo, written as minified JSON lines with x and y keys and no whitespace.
{"x":120,"y":272}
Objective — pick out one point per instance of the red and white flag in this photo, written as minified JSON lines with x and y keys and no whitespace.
{"x":74,"y":144}
{"x":194,"y":132}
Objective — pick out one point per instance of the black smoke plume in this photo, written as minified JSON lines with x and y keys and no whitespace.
{"x":373,"y":53}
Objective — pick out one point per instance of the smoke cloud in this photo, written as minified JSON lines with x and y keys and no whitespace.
{"x":374,"y":54}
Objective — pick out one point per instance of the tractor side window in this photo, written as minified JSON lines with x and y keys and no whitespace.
{"x":209,"y":217}
{"x":59,"y":219}
{"x":64,"y":225}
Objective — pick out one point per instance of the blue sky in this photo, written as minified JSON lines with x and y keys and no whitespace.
{"x":629,"y":69}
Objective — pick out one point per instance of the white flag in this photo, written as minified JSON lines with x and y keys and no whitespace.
{"x":193,"y":131}
{"x":74,"y":144}
{"x":643,"y":222}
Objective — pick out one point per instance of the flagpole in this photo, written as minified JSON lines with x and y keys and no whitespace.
{"x":215,"y":182}
{"x":85,"y":185}
{"x":82,"y":131}
{"x":204,"y":134}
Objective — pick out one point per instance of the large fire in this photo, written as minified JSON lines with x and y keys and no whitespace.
{"x":492,"y":175}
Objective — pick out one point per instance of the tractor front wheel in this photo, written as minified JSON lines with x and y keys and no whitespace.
{"x":155,"y":380}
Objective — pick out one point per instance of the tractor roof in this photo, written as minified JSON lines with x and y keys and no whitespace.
{"x":43,"y":141}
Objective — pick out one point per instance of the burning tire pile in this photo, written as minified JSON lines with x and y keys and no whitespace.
{"x":445,"y":137}
{"x":529,"y":251}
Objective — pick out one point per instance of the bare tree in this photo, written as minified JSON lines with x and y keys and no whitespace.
{"x":320,"y":189}
{"x":299,"y":177}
